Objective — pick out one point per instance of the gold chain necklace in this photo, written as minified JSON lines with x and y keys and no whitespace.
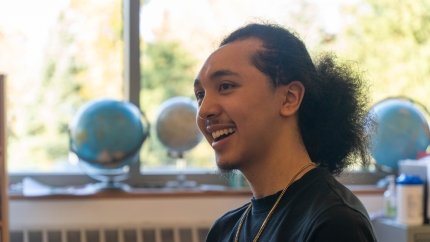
{"x":266,"y":220}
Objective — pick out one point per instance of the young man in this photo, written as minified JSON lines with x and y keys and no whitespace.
{"x":287,"y":125}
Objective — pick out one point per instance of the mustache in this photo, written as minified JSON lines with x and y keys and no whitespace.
{"x":208,"y":121}
{"x":200,"y":117}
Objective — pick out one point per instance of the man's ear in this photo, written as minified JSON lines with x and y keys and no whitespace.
{"x":292,"y":97}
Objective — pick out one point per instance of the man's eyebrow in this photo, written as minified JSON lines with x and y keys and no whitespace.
{"x":215,"y":75}
{"x":221,"y":73}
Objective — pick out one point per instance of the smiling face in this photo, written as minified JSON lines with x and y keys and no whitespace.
{"x":239,"y":109}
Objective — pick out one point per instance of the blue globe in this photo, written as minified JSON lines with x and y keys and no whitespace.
{"x":401,"y":132}
{"x":107,"y":134}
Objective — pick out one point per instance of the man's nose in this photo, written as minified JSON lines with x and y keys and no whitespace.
{"x":208,"y":108}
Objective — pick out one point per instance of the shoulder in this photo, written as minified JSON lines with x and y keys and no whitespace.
{"x":329,"y":191}
{"x":341,"y":223}
{"x":338,"y":215}
{"x":332,"y":212}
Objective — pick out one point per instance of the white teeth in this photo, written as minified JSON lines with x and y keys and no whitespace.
{"x":218,"y":133}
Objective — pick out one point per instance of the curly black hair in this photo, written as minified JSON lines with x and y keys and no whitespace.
{"x":333,"y":113}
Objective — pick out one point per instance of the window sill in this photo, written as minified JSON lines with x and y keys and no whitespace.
{"x":203,"y":191}
{"x":213,"y":191}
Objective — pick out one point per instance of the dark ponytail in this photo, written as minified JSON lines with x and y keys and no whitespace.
{"x":333,"y":117}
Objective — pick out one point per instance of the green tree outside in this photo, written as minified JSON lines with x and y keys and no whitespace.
{"x":390,"y":40}
{"x":168,"y":70}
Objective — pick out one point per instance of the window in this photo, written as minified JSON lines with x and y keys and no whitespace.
{"x":57,"y":55}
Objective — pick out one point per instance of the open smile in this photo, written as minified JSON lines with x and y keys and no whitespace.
{"x":222,"y":133}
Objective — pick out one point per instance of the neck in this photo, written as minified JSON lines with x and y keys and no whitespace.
{"x":280,"y":161}
{"x":272,"y":175}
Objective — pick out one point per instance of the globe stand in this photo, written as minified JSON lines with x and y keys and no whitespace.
{"x":109,"y":179}
{"x":109,"y":186}
{"x":181,"y":178}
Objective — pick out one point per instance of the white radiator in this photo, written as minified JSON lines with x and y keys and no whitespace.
{"x":117,"y":219}
{"x":109,"y":234}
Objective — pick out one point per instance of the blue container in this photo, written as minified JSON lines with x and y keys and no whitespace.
{"x":410,"y":200}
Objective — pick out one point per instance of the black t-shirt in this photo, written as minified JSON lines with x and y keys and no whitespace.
{"x":315,"y":208}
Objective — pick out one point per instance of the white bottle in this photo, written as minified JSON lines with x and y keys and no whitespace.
{"x":390,"y":198}
{"x":410,"y":200}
